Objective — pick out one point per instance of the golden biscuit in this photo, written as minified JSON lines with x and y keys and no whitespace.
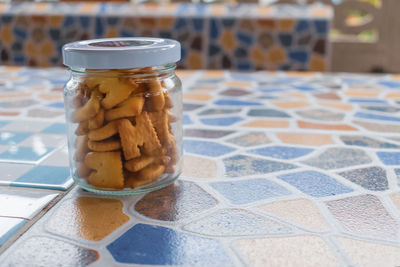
{"x":104,"y":132}
{"x":144,"y":176}
{"x":107,"y":169}
{"x":83,"y":128}
{"x":130,"y":107}
{"x":155,"y":101}
{"x":82,"y":148}
{"x":142,"y":134}
{"x":89,"y":109}
{"x":139,"y":163}
{"x":160,"y":122}
{"x":171,"y":118}
{"x":97,"y":121}
{"x":103,"y":146}
{"x":168,"y":101}
{"x":116,"y":91}
{"x":82,"y":170}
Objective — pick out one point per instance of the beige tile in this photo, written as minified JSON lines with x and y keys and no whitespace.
{"x":366,"y":254}
{"x":300,"y":211}
{"x":396,"y":200}
{"x":305,"y":250}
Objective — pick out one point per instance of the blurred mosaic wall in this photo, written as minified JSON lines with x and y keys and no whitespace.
{"x":244,"y":37}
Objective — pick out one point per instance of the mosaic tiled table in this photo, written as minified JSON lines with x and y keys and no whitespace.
{"x":280,"y":169}
{"x":245,"y":37}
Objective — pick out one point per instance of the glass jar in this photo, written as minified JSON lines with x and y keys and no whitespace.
{"x":123,"y":106}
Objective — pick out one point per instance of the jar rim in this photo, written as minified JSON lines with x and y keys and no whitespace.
{"x":121,"y":53}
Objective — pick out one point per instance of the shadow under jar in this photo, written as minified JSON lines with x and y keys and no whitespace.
{"x":123,"y":106}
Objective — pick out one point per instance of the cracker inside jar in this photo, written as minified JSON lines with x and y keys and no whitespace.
{"x":124,"y":136}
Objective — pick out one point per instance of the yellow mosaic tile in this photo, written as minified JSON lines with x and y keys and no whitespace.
{"x":363,"y":253}
{"x":228,"y":40}
{"x":198,"y":167}
{"x":318,"y":63}
{"x":361,"y":94}
{"x":286,"y":25}
{"x":393,"y":95}
{"x":299,"y":211}
{"x":214,"y":74}
{"x":257,"y":55}
{"x":304,"y":250}
{"x":305,"y":139}
{"x":340,"y":106}
{"x":166,"y":23}
{"x":56,"y":21}
{"x":88,"y":217}
{"x":238,"y":84}
{"x":47,"y":48}
{"x":196,"y":96}
{"x":195,"y":61}
{"x":112,"y":32}
{"x":290,"y":104}
{"x":277,"y":55}
{"x":267,"y":124}
{"x":6,"y":35}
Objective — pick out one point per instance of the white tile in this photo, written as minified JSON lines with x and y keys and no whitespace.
{"x":10,"y":171}
{"x":58,"y":158}
{"x":45,"y":140}
{"x":23,"y":203}
{"x":26,"y":126}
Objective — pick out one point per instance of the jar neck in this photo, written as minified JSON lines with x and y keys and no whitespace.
{"x":137,"y":73}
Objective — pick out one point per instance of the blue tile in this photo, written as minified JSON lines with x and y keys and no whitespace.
{"x":198,"y":24}
{"x":304,"y":88}
{"x":180,"y":23}
{"x":45,"y":177}
{"x":206,"y":148}
{"x":59,"y":105}
{"x":368,"y":101}
{"x":390,"y":84}
{"x":3,"y":123}
{"x":299,"y":56}
{"x":248,"y":191}
{"x":282,"y":152}
{"x":365,"y":115}
{"x":25,"y":153}
{"x":68,"y":21}
{"x":233,"y":102}
{"x":222,"y":121}
{"x":56,"y":128}
{"x":186,"y":120}
{"x":245,"y":38}
{"x":321,"y":26}
{"x":9,"y":138}
{"x":241,"y":165}
{"x":389,"y":158}
{"x":157,"y":245}
{"x":8,"y":227}
{"x":302,"y":25}
{"x":99,"y":27}
{"x":214,"y":31}
{"x":285,"y":39}
{"x":315,"y":184}
{"x":84,"y":21}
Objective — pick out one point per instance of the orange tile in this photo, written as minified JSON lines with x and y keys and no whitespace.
{"x":267,"y":124}
{"x":238,"y":84}
{"x":264,"y":10}
{"x":379,"y":127}
{"x":393,"y":95}
{"x":41,"y":7}
{"x":286,"y":25}
{"x":214,"y":74}
{"x":8,"y":113}
{"x":90,"y":218}
{"x":290,"y":104}
{"x":51,"y":96}
{"x":341,"y":106}
{"x":199,"y":167}
{"x":3,"y":7}
{"x":217,"y":10}
{"x":195,"y":60}
{"x":318,"y":63}
{"x":396,"y":76}
{"x":361,"y":94}
{"x":320,"y":126}
{"x":196,"y":96}
{"x":295,"y":94}
{"x":300,"y":74}
{"x":305,"y":139}
{"x":330,"y":96}
{"x":13,"y":95}
{"x":88,"y":8}
{"x":13,"y":68}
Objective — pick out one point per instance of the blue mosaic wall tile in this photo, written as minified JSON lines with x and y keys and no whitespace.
{"x":221,"y":121}
{"x":282,"y":152}
{"x":25,"y":153}
{"x":51,"y":177}
{"x":248,"y":191}
{"x":389,"y":158}
{"x":159,"y":245}
{"x":56,"y":128}
{"x":315,"y":184}
{"x":10,"y":138}
{"x":376,"y":117}
{"x":241,"y":165}
{"x":205,"y":148}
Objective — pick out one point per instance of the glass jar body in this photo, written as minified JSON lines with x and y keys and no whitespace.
{"x":124,"y":128}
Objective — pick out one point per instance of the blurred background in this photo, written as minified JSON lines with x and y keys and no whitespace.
{"x":302,"y":35}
